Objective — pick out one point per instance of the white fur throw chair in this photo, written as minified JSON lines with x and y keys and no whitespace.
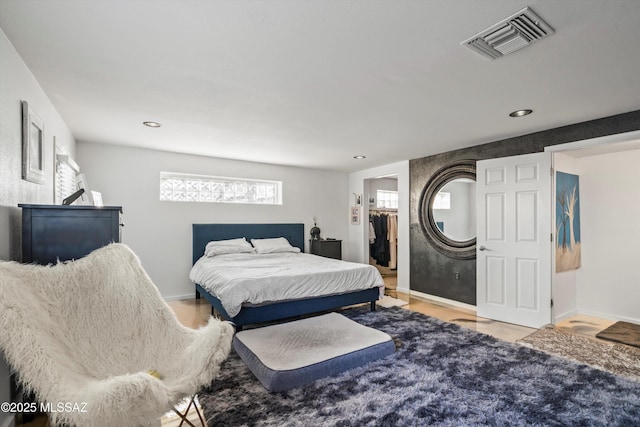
{"x":88,"y":331}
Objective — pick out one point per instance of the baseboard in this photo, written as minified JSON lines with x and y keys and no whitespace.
{"x":443,"y":301}
{"x":560,"y":317}
{"x":403,"y":290}
{"x":608,"y":316}
{"x":180,"y":297}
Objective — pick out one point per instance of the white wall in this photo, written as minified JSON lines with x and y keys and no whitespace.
{"x":608,"y":283}
{"x":359,"y":234}
{"x":565,"y":287}
{"x":160,"y":232}
{"x":18,"y":84}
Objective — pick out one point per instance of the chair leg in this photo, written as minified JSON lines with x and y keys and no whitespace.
{"x":184,"y":415}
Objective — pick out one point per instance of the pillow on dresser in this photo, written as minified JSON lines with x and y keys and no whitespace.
{"x":272,"y":246}
{"x":230,"y":246}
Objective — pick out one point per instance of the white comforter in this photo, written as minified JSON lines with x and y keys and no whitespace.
{"x":260,"y":278}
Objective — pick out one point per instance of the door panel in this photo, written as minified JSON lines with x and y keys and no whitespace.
{"x":526,"y":215}
{"x":495,"y":224}
{"x":513,"y":239}
{"x":495,"y":281}
{"x":527,"y":284}
{"x":527,"y":173}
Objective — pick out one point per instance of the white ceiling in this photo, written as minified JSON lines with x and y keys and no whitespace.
{"x":313,"y":83}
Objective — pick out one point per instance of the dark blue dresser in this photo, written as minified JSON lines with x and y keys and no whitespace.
{"x":56,"y":232}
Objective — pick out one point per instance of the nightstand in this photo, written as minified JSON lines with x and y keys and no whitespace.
{"x":327,"y":248}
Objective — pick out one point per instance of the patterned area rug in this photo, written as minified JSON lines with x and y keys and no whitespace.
{"x":441,"y":374}
{"x":623,"y":332}
{"x":617,"y":358}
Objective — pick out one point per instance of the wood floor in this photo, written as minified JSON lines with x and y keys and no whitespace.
{"x":195,"y":313}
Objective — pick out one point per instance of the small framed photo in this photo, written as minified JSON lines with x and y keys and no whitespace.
{"x":87,"y":197}
{"x":32,"y":145}
{"x":97,"y":198}
{"x":355,"y":215}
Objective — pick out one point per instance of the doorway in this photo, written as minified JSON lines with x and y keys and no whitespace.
{"x":381,"y":196}
{"x":358,"y":247}
{"x":601,"y":286}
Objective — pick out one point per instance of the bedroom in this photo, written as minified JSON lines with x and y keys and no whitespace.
{"x":128,"y":176}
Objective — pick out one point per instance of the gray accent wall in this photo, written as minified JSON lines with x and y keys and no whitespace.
{"x":435,"y":274}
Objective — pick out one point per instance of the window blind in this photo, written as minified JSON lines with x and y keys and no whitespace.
{"x":65,"y":177}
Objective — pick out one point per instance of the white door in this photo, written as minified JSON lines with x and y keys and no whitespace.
{"x":513,"y":196}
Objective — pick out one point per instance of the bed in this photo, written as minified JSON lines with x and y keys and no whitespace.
{"x":271,"y":310}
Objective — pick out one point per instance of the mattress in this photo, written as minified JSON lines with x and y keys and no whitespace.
{"x":237,"y":279}
{"x":294,"y":354}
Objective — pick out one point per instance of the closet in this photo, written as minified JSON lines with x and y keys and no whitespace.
{"x":382,"y":197}
{"x":383,"y":237}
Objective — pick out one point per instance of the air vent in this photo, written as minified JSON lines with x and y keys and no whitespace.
{"x":513,"y":33}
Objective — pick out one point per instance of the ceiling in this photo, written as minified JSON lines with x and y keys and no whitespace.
{"x":314,"y":83}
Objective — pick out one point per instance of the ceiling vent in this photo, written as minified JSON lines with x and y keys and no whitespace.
{"x":513,"y":33}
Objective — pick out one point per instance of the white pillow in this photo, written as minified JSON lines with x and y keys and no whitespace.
{"x":271,"y":246}
{"x":230,"y":246}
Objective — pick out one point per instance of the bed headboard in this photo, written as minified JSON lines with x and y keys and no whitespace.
{"x":204,"y":233}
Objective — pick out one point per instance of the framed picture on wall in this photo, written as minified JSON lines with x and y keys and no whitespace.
{"x":32,"y":145}
{"x":568,"y":246}
{"x":355,"y":215}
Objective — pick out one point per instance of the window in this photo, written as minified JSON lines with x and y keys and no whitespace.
{"x":65,"y":177}
{"x":387,"y":199}
{"x":177,"y":187}
{"x":442,"y":200}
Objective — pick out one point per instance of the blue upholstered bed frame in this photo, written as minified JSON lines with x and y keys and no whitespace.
{"x":204,"y":233}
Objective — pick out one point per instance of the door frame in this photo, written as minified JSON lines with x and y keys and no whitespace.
{"x":358,"y":248}
{"x":630,"y":138}
{"x":600,"y":145}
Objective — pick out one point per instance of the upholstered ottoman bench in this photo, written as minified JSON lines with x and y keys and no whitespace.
{"x":293,"y":354}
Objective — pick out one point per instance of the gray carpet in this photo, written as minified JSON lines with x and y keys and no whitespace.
{"x":613,"y":357}
{"x":441,"y":375}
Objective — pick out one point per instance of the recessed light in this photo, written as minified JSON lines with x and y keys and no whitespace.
{"x":359,"y":157}
{"x":151,"y":124}
{"x":520,"y":113}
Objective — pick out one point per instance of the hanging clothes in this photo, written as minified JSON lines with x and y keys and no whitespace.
{"x":383,"y":239}
{"x":379,"y":249}
{"x":372,"y":232}
{"x":392,"y":237}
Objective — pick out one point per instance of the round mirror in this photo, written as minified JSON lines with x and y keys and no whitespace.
{"x":454,"y":209}
{"x":447,"y":210}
